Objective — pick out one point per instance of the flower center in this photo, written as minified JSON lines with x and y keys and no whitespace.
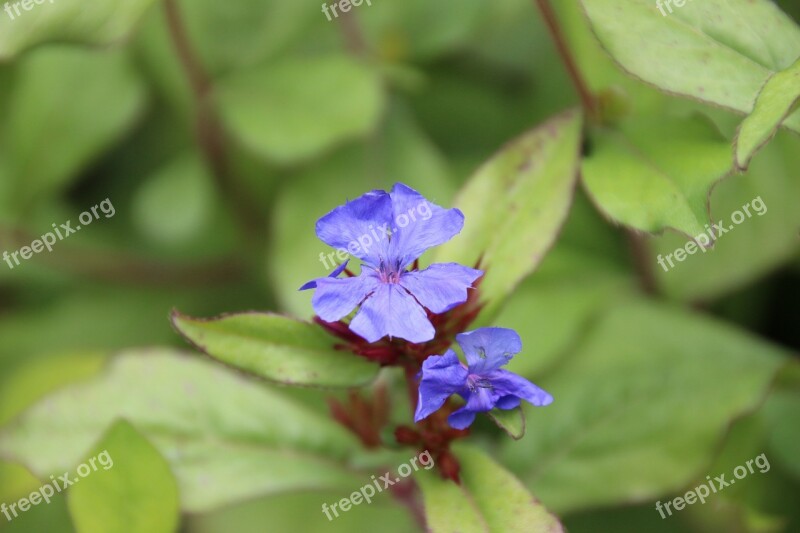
{"x":389,"y":273}
{"x":475,"y":382}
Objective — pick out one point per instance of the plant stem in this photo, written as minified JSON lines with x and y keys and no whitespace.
{"x":642,"y":262}
{"x":121,"y":267}
{"x":208,"y":128}
{"x":411,"y":386}
{"x":353,"y":36}
{"x":587,"y":99}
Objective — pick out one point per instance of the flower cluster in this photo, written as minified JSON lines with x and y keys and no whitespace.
{"x":393,"y":299}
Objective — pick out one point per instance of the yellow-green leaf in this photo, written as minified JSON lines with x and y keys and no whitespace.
{"x":129,"y":490}
{"x":278,"y":348}
{"x":490,"y":499}
{"x":514,"y":207}
{"x":776,"y":101}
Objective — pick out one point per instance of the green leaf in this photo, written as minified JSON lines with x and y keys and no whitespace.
{"x":775,"y":103}
{"x":576,"y":283}
{"x":176,"y":203}
{"x":277,"y":348}
{"x":771,"y":229}
{"x":102,"y":22}
{"x":297,"y":108}
{"x":656,"y":172}
{"x":645,"y":401}
{"x":131,"y":491}
{"x":511,"y":421}
{"x":22,"y":387}
{"x":735,"y":44}
{"x":226,"y":438}
{"x":489,"y":499}
{"x":239,"y":35}
{"x":301,"y":511}
{"x":584,"y":274}
{"x":514,"y":207}
{"x":552,"y":309}
{"x":98,"y":98}
{"x":780,"y":410}
{"x":763,"y":499}
{"x":447,"y":506}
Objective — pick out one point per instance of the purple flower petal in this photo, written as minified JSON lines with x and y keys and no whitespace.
{"x":508,"y":402}
{"x":507,"y":383}
{"x":392,"y":311}
{"x":388,"y":231}
{"x":335,"y":274}
{"x":461,"y":419}
{"x":418,"y":224}
{"x":355,"y":225}
{"x":483,"y":384}
{"x":440,"y":287}
{"x":487,"y":349}
{"x":481,"y":400}
{"x":336,"y":298}
{"x":442,"y":376}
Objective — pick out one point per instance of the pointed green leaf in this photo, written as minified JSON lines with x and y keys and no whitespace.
{"x":769,"y":190}
{"x":489,"y":499}
{"x":277,"y":348}
{"x":655,"y":173}
{"x":226,"y":438}
{"x":511,"y":421}
{"x":717,"y":51}
{"x":132,"y":489}
{"x":645,"y":401}
{"x":514,"y":207}
{"x":297,"y":108}
{"x":100,"y":22}
{"x":775,"y":103}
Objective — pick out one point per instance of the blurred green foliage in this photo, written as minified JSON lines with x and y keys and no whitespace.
{"x":219,"y":162}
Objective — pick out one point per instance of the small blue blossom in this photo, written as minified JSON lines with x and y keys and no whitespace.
{"x":388,"y":232}
{"x":481,"y":382}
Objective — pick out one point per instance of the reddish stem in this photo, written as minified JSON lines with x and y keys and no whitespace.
{"x":550,"y":19}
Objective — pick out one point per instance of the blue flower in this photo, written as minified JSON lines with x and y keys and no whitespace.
{"x":388,"y":232}
{"x":481,"y":382}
